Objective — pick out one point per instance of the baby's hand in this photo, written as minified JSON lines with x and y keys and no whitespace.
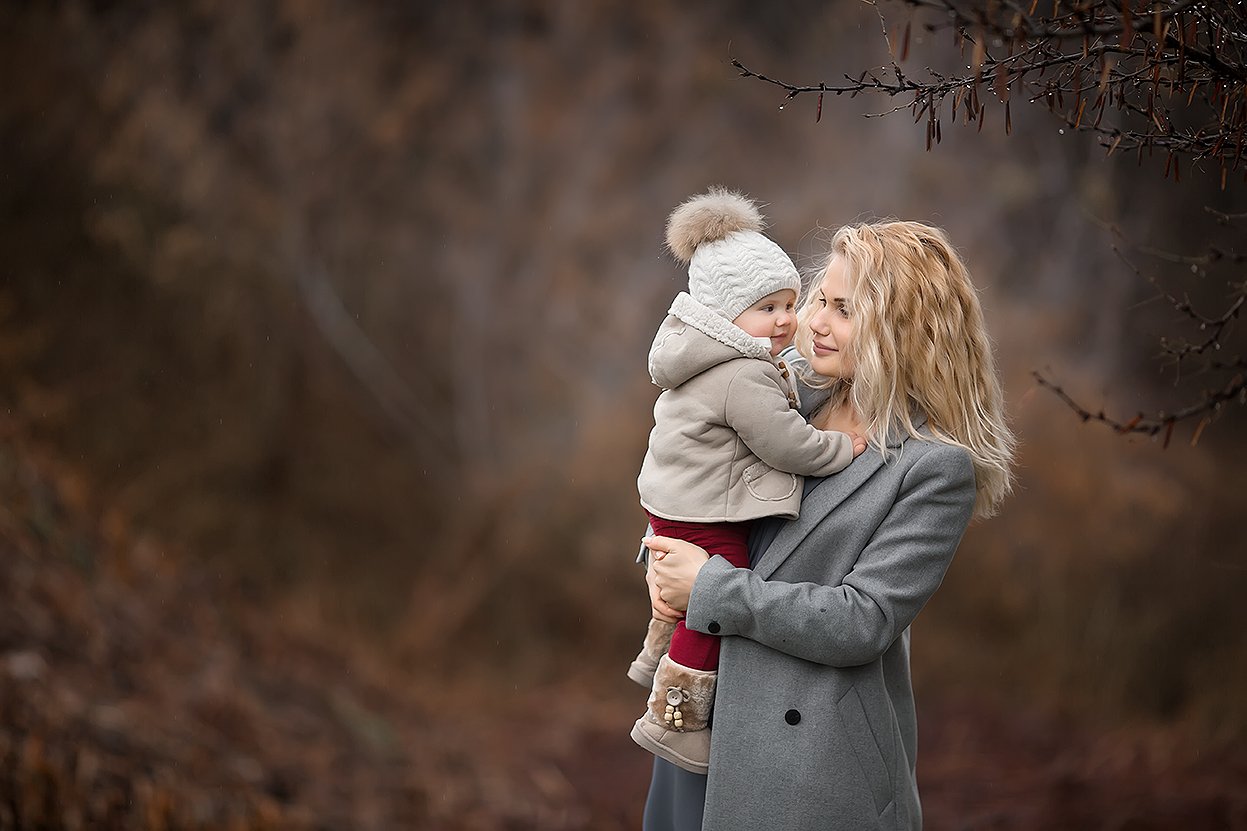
{"x":859,"y":444}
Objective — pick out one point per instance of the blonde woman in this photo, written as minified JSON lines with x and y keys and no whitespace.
{"x":814,"y":722}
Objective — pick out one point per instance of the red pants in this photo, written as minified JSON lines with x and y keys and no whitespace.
{"x":698,"y":650}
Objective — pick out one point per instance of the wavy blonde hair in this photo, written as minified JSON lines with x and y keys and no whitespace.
{"x":919,"y":346}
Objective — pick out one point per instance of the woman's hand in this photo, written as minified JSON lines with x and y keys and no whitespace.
{"x":674,"y":565}
{"x":658,"y":606}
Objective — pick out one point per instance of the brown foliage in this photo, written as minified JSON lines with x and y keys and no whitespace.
{"x":139,"y":692}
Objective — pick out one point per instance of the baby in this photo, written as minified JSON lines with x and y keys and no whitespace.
{"x":728,"y":445}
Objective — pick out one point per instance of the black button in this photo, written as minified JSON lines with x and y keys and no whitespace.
{"x":792,"y":716}
{"x":713,"y":627}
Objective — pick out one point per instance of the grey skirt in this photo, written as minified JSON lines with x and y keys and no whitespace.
{"x":676,"y":799}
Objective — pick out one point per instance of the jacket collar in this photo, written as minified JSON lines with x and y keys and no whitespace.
{"x":715,"y":325}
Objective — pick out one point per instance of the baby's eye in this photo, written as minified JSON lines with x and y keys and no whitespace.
{"x":768,"y":308}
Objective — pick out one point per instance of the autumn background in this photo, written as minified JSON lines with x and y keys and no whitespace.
{"x":322,"y":337}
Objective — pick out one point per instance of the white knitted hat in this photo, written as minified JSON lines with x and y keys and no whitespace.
{"x":731,"y":264}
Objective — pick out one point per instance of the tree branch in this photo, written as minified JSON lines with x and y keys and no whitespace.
{"x":1152,"y":62}
{"x":1208,"y":408}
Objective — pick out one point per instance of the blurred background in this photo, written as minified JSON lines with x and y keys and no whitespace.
{"x":322,"y":338}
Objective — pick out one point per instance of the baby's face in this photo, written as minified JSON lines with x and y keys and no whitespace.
{"x":774,"y":317}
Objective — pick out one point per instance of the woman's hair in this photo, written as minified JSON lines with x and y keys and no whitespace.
{"x":919,"y":346}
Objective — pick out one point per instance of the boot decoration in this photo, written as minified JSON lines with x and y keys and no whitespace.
{"x":675,"y":698}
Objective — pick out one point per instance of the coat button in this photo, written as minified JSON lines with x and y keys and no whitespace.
{"x":713,"y":627}
{"x":781,"y":365}
{"x":783,"y":373}
{"x":792,"y":716}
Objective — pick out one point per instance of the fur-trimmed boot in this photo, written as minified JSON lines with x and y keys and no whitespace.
{"x":676,"y":727}
{"x":657,"y":641}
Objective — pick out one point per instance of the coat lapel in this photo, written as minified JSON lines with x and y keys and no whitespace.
{"x":820,"y":501}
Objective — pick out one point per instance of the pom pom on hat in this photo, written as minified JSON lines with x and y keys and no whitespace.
{"x":731,"y":263}
{"x":708,"y":217}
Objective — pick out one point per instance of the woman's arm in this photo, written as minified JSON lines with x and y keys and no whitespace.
{"x":855,"y":622}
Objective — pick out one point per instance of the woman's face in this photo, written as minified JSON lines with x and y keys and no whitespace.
{"x":832,"y":324}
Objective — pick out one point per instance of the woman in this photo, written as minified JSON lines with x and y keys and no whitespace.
{"x":814,"y":722}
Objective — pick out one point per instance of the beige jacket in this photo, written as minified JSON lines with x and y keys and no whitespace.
{"x":728,"y":443}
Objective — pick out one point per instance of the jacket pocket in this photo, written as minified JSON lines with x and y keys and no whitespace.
{"x":768,"y":484}
{"x":866,"y":748}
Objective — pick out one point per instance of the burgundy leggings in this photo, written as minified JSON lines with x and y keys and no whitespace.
{"x":697,"y":650}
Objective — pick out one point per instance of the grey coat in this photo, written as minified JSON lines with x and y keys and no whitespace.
{"x":814,"y":723}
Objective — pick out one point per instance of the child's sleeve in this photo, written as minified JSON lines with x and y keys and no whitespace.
{"x":759,"y":412}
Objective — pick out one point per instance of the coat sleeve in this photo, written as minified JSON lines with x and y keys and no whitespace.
{"x":758,"y":411}
{"x":855,"y":622}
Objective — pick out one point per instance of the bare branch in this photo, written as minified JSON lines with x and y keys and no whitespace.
{"x":1174,"y":72}
{"x":1209,"y":406}
{"x":1181,"y":352}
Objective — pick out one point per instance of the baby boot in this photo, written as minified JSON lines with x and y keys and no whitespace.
{"x":657,"y":640}
{"x":676,"y":725}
